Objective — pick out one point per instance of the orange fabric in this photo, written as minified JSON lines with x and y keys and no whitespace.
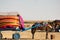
{"x":9,"y":20}
{"x":9,"y":16}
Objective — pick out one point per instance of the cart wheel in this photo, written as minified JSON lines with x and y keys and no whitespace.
{"x":16,"y":36}
{"x":1,"y":35}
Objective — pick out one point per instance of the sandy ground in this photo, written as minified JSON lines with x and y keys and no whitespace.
{"x":26,"y":35}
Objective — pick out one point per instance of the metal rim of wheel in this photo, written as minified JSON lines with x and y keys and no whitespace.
{"x":16,"y":36}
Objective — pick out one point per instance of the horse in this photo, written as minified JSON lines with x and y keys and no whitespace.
{"x":56,"y":26}
{"x":43,"y":27}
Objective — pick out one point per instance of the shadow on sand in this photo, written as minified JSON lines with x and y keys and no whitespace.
{"x":19,"y":39}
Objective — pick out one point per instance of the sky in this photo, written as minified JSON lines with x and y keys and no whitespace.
{"x":33,"y":9}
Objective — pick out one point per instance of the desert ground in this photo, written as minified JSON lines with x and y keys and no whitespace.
{"x":26,"y":35}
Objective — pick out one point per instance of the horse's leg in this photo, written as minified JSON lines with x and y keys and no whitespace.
{"x":33,"y":32}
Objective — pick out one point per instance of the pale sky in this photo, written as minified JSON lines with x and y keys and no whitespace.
{"x":33,"y":9}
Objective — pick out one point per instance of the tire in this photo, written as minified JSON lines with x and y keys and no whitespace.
{"x":16,"y":36}
{"x":1,"y":35}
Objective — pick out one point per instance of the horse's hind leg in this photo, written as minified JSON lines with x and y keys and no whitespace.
{"x":33,"y":32}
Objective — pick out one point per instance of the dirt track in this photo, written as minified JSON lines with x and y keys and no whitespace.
{"x":28,"y":36}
